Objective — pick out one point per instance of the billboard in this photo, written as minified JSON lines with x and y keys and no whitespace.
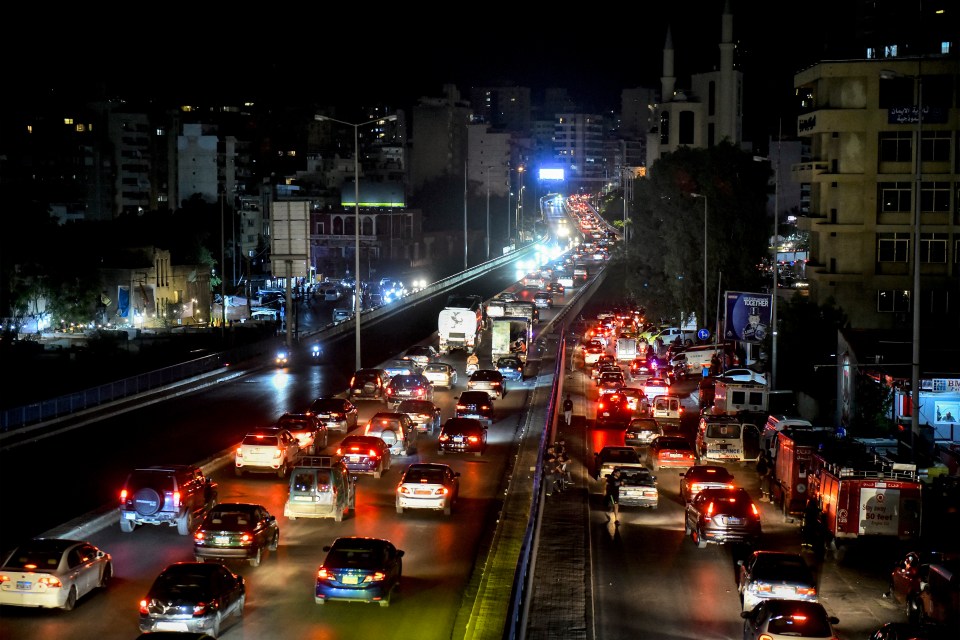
{"x":552,"y":173}
{"x":747,"y":316}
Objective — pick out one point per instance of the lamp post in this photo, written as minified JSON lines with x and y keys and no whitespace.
{"x":509,"y":214}
{"x":487,"y":180}
{"x":356,"y":224}
{"x":915,"y":294}
{"x":703,"y":322}
{"x":519,"y":224}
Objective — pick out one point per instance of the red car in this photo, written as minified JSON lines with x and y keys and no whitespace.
{"x":671,"y":451}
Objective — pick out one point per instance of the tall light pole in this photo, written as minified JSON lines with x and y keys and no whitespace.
{"x":915,"y":294}
{"x":356,"y":224}
{"x":509,"y":214}
{"x":520,"y":206}
{"x":703,"y":323}
{"x":487,"y":180}
{"x":465,"y":244}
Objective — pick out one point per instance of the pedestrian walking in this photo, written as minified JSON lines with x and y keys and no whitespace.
{"x":810,"y":529}
{"x":568,"y":410}
{"x":612,"y":495}
{"x":764,"y":472}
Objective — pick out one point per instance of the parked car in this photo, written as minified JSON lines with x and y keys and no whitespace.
{"x":719,"y":516}
{"x":193,"y":597}
{"x":309,"y":430}
{"x":53,"y":573}
{"x":638,"y":488}
{"x":236,"y":530}
{"x":704,"y":476}
{"x":337,"y":414}
{"x":477,"y":405}
{"x":176,"y":495}
{"x":365,"y":454}
{"x":489,"y":380}
{"x":511,"y":368}
{"x":369,"y":384}
{"x":462,"y":435}
{"x":788,"y":620}
{"x":428,"y":485}
{"x":641,"y":432}
{"x":422,"y":354}
{"x":409,"y":387}
{"x":928,"y":585}
{"x":744,"y":375}
{"x":396,"y":429}
{"x":440,"y":375}
{"x":775,"y":574}
{"x":359,"y":569}
{"x":424,"y":414}
{"x":671,"y":451}
{"x":268,"y":450}
{"x":912,"y":631}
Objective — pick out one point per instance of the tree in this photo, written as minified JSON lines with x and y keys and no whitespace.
{"x":665,"y":252}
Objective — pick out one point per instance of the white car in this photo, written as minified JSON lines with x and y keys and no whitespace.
{"x":53,"y":573}
{"x":440,"y":374}
{"x":428,"y":485}
{"x":745,"y":375}
{"x":269,"y":450}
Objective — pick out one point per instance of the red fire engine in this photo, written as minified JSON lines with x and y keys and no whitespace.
{"x":864,"y":495}
{"x":793,"y":456}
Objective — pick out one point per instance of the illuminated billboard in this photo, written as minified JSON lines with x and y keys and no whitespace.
{"x":551,"y":173}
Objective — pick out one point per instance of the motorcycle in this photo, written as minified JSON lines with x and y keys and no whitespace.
{"x":282,"y":359}
{"x":472,"y":367}
{"x":315,"y":352}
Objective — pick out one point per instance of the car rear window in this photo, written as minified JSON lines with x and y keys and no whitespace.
{"x":294,"y":424}
{"x":723,"y":431}
{"x":799,"y":625}
{"x":621,"y":455}
{"x":436,"y":368}
{"x":416,"y":406}
{"x":261,"y":441}
{"x":328,"y":404}
{"x":427,"y":476}
{"x":485,"y":375}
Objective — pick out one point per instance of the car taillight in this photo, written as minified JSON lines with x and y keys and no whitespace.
{"x":755,"y":510}
{"x":176,"y":499}
{"x":443,"y":437}
{"x":198,"y":536}
{"x":600,"y":405}
{"x":246,"y":538}
{"x":372,"y":453}
{"x":461,"y":407}
{"x":50,"y":582}
{"x":389,"y":391}
{"x":4,"y":578}
{"x":239,"y":452}
{"x":710,"y":510}
{"x":377,"y":577}
{"x":806,"y":591}
{"x":473,"y":439}
{"x":123,"y":496}
{"x":443,"y":491}
{"x":277,"y":453}
{"x":695,"y":487}
{"x":322,"y":573}
{"x":143,"y":608}
{"x":200,"y":609}
{"x":420,"y":393}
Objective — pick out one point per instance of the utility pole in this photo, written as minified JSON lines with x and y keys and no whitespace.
{"x":465,"y":250}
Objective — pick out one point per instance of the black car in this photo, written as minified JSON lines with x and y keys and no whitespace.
{"x":193,"y":597}
{"x":236,"y":530}
{"x":409,"y":387}
{"x":338,"y":414}
{"x":462,"y":435}
{"x":613,"y":410}
{"x":477,"y":405}
{"x":369,"y":384}
{"x":365,"y":454}
{"x":176,"y":495}
{"x":723,"y":515}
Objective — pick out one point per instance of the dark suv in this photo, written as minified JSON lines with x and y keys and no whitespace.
{"x":477,"y":405}
{"x":723,"y":515}
{"x":175,"y":495}
{"x":369,"y":384}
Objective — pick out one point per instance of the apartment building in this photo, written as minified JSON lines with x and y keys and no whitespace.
{"x":862,"y":121}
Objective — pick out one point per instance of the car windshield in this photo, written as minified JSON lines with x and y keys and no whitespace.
{"x":306,"y":481}
{"x":416,"y":406}
{"x":424,"y":476}
{"x":436,"y":368}
{"x":508,"y":362}
{"x":229,"y":519}
{"x":327,"y":404}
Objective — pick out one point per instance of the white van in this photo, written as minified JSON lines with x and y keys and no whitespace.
{"x":776,"y":424}
{"x":726,"y":439}
{"x":666,"y":409}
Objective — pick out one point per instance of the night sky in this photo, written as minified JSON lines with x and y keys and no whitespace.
{"x":288,"y":54}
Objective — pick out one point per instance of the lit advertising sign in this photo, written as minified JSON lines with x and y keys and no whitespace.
{"x":551,"y":174}
{"x":748,"y":316}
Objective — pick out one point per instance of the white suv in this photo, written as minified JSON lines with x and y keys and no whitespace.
{"x":269,"y":450}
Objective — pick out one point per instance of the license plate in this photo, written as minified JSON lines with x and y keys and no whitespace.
{"x":606,"y":414}
{"x":171,"y":626}
{"x":23,"y":585}
{"x":422,"y":492}
{"x":354,"y":458}
{"x":129,"y":515}
{"x":351,"y":579}
{"x":458,"y":439}
{"x":735,"y":521}
{"x":221,"y":540}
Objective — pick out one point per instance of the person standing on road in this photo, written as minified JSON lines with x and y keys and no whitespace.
{"x":764,"y":472}
{"x":612,"y":495}
{"x":568,"y":410}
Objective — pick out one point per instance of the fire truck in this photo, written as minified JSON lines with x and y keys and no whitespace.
{"x":863,"y":495}
{"x":792,"y":452}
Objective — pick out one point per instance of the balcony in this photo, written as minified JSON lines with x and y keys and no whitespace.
{"x":805,"y":171}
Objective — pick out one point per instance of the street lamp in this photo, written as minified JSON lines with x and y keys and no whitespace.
{"x":703,"y":323}
{"x":519,"y":224}
{"x":915,"y":294}
{"x":356,"y":206}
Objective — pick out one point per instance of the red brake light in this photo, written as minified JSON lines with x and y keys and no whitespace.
{"x":322,"y":573}
{"x":176,"y":499}
{"x":473,"y":439}
{"x":710,"y":510}
{"x":143,"y":607}
{"x":372,"y":453}
{"x":123,"y":496}
{"x":753,"y":507}
{"x":198,"y":536}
